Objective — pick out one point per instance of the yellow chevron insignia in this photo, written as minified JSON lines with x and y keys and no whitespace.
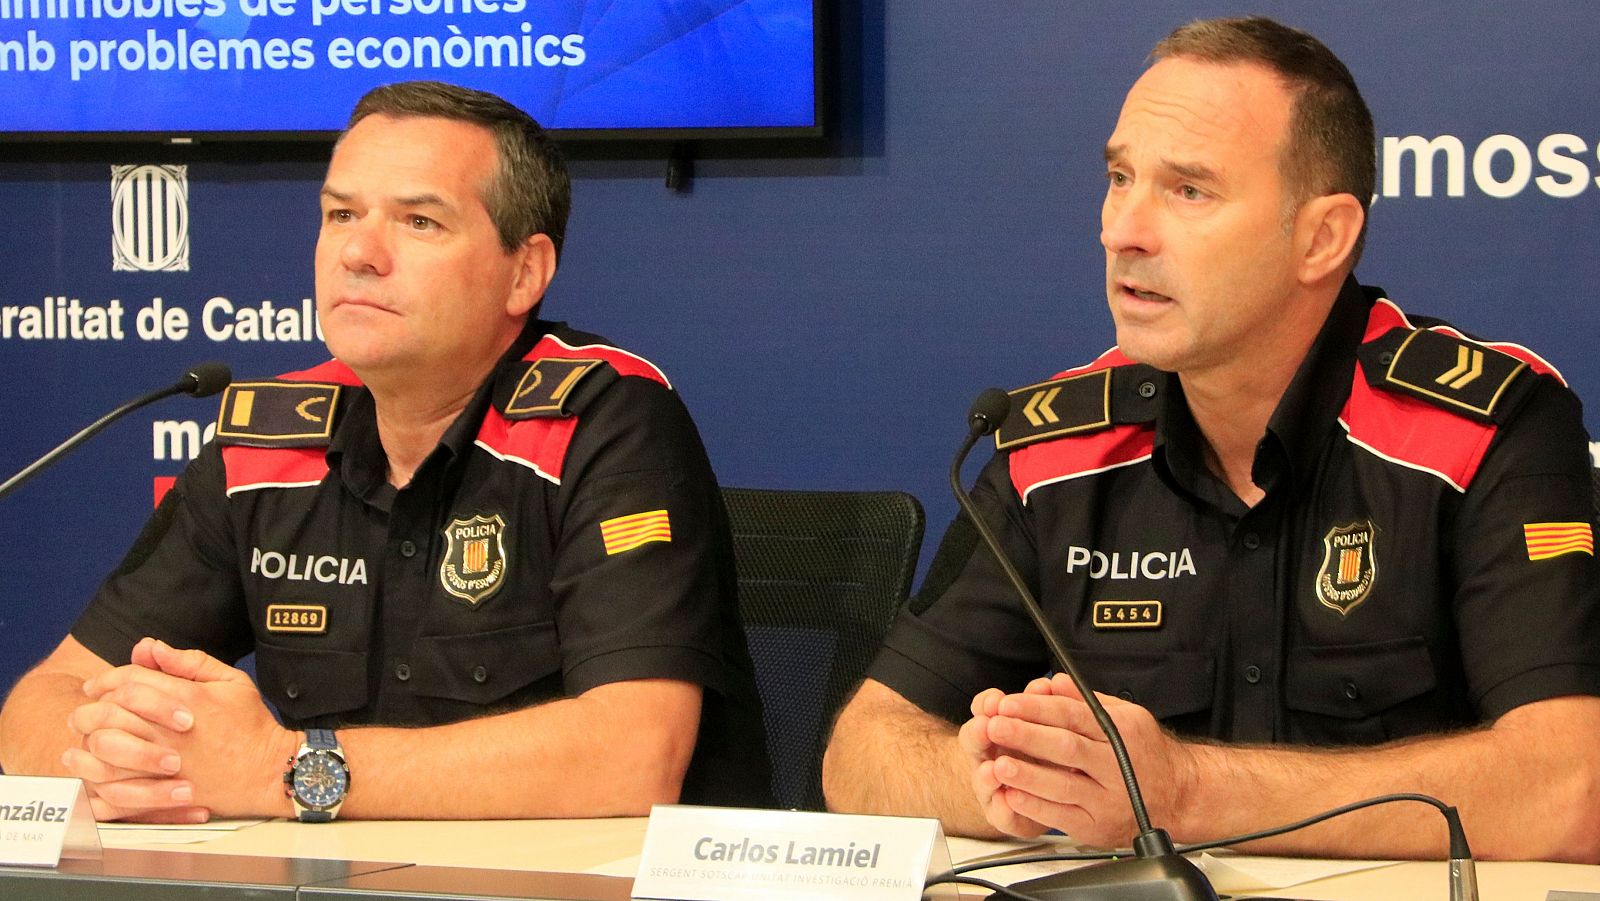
{"x":1453,"y":372}
{"x":1464,"y":372}
{"x":1038,"y":408}
{"x":1064,"y":406}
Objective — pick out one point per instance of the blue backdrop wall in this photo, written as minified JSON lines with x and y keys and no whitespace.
{"x":827,"y":318}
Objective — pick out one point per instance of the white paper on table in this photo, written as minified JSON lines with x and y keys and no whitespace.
{"x":122,"y":835}
{"x":969,"y":850}
{"x":1227,"y":872}
{"x":1243,"y":873}
{"x":974,"y":850}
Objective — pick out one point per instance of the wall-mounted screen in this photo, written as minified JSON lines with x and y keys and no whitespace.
{"x":176,"y":69}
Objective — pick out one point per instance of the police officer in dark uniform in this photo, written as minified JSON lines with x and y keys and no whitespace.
{"x":1281,"y":515}
{"x":481,"y":558}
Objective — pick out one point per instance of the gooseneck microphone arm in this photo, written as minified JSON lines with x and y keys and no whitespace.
{"x":199,"y":381}
{"x":1157,"y":871}
{"x":988,"y":411}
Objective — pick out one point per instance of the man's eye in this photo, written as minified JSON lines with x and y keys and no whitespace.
{"x":422,"y":223}
{"x":1190,"y":192}
{"x":1117,"y":179}
{"x":340,"y":215}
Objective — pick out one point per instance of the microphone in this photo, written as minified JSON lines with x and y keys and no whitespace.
{"x":1156,"y":872}
{"x":203,"y":380}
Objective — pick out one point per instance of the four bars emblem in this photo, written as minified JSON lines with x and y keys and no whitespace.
{"x":150,"y":218}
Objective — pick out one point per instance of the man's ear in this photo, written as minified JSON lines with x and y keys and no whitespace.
{"x":1326,"y":230}
{"x":536,"y":266}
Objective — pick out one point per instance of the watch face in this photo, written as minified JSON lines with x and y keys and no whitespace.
{"x":320,"y":780}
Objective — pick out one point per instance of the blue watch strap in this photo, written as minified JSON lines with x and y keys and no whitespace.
{"x":318,"y":740}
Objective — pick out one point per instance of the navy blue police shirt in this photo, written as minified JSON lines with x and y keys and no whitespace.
{"x":566,"y":533}
{"x":1423,"y":559}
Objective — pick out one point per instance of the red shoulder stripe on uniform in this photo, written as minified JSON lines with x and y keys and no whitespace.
{"x":1113,"y":356}
{"x":622,"y":361}
{"x":1409,"y":432}
{"x":331,"y":371}
{"x":1535,"y":362}
{"x":1074,"y":456}
{"x":250,"y":468}
{"x":539,"y":444}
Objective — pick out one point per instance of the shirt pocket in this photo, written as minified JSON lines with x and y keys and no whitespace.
{"x":1358,"y":694}
{"x":306,"y":684}
{"x":1172,"y":685}
{"x":485,"y":667}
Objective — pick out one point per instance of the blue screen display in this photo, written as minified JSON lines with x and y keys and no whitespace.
{"x":107,"y":66}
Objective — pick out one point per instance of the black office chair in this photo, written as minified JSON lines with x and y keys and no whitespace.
{"x":822,"y":575}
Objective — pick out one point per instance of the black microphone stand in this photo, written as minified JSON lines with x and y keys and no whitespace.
{"x":1156,"y":872}
{"x":202,"y":380}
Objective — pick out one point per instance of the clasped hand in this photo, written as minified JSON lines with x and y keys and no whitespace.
{"x":174,"y":737}
{"x":1040,"y":761}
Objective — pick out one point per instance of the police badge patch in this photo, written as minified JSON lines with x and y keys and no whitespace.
{"x":474,"y":565}
{"x":1348,"y":566}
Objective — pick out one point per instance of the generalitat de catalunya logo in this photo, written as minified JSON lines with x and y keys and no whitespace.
{"x":150,"y":218}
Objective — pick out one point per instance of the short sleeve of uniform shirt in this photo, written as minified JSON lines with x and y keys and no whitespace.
{"x":180,"y":580}
{"x":1528,"y":608}
{"x":641,"y":559}
{"x":965,"y":627}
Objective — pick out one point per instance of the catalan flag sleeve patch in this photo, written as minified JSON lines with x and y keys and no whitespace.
{"x":1552,"y":539}
{"x":628,"y":532}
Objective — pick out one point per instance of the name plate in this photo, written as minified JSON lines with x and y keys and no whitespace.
{"x":730,"y":854}
{"x":45,"y":818}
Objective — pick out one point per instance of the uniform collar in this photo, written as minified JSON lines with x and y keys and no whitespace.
{"x":1310,"y":405}
{"x":357,"y":455}
{"x":1297,"y":431}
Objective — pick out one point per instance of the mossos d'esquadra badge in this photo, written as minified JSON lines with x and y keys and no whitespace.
{"x":474,"y":565}
{"x":1348,"y":566}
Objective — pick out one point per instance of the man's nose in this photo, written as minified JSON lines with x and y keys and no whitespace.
{"x":1128,"y":223}
{"x":367,"y":247}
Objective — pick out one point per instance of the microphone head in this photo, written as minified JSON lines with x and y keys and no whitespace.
{"x":206,"y":379}
{"x":988,"y":411}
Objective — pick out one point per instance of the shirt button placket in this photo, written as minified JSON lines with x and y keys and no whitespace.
{"x":1253,"y":637}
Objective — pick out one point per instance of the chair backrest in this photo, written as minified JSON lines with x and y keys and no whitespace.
{"x":1594,"y":486}
{"x":822,"y":575}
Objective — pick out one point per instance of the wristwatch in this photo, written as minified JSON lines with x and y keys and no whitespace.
{"x":318,"y":777}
